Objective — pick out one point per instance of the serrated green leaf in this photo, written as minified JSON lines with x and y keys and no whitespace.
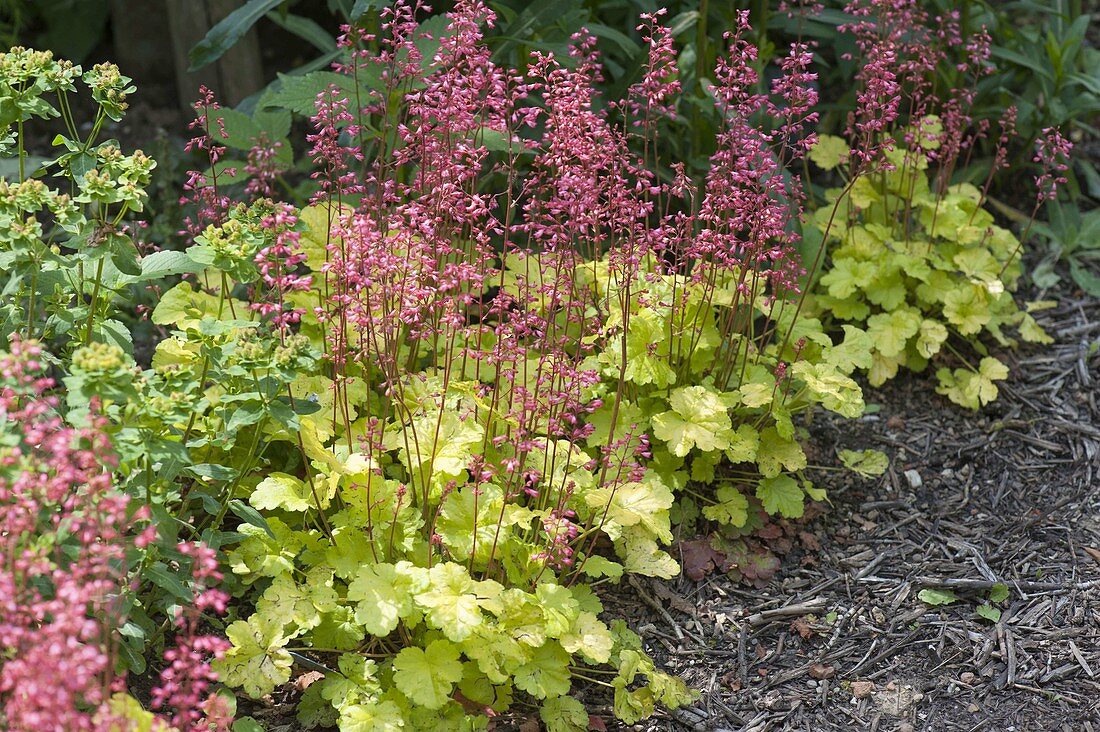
{"x":428,"y":676}
{"x":781,"y":495}
{"x":732,"y":507}
{"x":279,"y":490}
{"x":563,"y":714}
{"x":257,"y":662}
{"x":868,"y":463}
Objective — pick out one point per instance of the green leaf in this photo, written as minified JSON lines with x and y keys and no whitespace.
{"x":258,"y":661}
{"x":777,"y":453}
{"x":589,"y":637}
{"x":383,"y":596}
{"x":546,"y":674}
{"x":988,"y":612}
{"x":781,"y":495}
{"x":249,"y":515}
{"x":732,"y":507}
{"x":166,"y":263}
{"x":867,"y":463}
{"x":280,"y":490}
{"x":998,"y":593}
{"x":305,"y":28}
{"x":937,"y":597}
{"x":829,"y":152}
{"x":643,"y":504}
{"x":452,"y":605}
{"x":597,"y":566}
{"x":159,"y":575}
{"x":563,"y":714}
{"x":891,"y":331}
{"x":362,"y":6}
{"x":967,"y":308}
{"x":379,"y":717}
{"x":247,"y":724}
{"x":226,"y":33}
{"x":699,"y":419}
{"x":113,"y":332}
{"x":428,"y":676}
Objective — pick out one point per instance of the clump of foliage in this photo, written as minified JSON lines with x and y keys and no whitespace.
{"x":89,"y":584}
{"x":919,"y":267}
{"x":488,"y":325}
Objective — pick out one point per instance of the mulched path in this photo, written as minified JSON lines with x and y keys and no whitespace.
{"x":839,"y":640}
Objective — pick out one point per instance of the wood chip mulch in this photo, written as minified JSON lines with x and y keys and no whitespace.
{"x":840,"y":639}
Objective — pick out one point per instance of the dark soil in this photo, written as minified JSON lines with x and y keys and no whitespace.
{"x":839,"y":640}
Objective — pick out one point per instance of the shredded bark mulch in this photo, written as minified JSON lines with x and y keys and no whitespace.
{"x":841,"y":640}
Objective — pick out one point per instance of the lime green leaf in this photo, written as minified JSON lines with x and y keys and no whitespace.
{"x":280,"y":490}
{"x":777,"y":453}
{"x":829,"y":152}
{"x":932,"y":335}
{"x":853,"y":353}
{"x":382,"y":716}
{"x":451,"y":603}
{"x":883,"y":368}
{"x":732,"y":507}
{"x":646,"y":351}
{"x":546,"y":674}
{"x":444,"y":442}
{"x":257,"y":662}
{"x":867,"y":463}
{"x":967,"y":308}
{"x":969,"y":389}
{"x":781,"y":495}
{"x":887,"y":289}
{"x":299,"y":605}
{"x":427,"y":676}
{"x":937,"y":597}
{"x":835,"y":391}
{"x":643,"y":504}
{"x":589,"y":637}
{"x":998,"y":593}
{"x":1031,"y":331}
{"x":558,"y":608}
{"x":744,"y":444}
{"x":383,"y":596}
{"x":597,"y":566}
{"x":641,"y":555}
{"x":468,"y":522}
{"x":699,"y":419}
{"x":847,"y":277}
{"x":563,"y":714}
{"x":891,"y":331}
{"x":629,"y":420}
{"x":988,"y":612}
{"x":338,"y":629}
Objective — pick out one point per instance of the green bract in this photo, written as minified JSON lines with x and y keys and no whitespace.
{"x":915,"y":272}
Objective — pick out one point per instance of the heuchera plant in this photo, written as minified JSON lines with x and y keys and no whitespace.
{"x":493,"y":348}
{"x":919,"y":269}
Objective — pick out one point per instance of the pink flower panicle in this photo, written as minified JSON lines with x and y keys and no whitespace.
{"x":1052,"y":152}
